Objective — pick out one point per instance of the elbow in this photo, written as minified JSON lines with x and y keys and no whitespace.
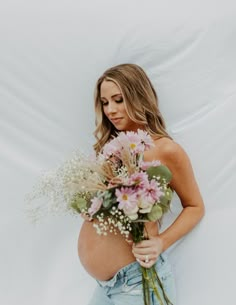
{"x":202,"y":211}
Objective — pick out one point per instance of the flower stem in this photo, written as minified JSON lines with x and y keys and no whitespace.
{"x":155,"y":289}
{"x":146,"y":293}
{"x":168,"y":302}
{"x":150,"y":278}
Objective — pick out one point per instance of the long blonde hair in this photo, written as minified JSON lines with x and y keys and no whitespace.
{"x":140,"y":101}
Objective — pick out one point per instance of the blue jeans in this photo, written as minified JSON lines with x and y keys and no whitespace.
{"x":125,"y":288}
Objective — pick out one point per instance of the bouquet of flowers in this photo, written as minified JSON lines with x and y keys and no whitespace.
{"x":117,"y":188}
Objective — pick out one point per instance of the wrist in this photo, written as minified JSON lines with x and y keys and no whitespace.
{"x":161,"y":242}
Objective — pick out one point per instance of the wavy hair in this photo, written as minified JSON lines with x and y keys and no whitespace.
{"x":140,"y":101}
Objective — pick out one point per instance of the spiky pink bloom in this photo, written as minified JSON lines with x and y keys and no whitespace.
{"x":148,"y":196}
{"x":131,"y":141}
{"x":111,"y":149}
{"x":139,"y":179}
{"x":145,"y":139}
{"x":153,"y":192}
{"x":127,"y":198}
{"x":95,"y":206}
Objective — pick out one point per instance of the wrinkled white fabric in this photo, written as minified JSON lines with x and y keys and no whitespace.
{"x":51,"y":53}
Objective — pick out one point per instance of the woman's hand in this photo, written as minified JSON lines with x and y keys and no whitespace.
{"x":147,"y":251}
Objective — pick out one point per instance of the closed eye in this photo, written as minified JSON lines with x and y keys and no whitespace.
{"x":104,"y":103}
{"x":119,"y":101}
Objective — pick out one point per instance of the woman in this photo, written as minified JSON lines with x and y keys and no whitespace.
{"x":125,"y":100}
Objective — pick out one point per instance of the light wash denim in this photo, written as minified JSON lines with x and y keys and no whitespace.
{"x":125,"y":288}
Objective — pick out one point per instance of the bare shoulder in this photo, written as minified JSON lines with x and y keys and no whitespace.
{"x":183,"y":181}
{"x":169,"y":151}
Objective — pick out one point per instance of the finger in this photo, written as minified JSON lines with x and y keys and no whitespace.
{"x":144,"y":244}
{"x":145,"y":258}
{"x":154,"y":245}
{"x":148,"y":264}
{"x":141,"y":251}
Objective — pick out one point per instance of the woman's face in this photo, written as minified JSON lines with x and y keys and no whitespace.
{"x":114,"y":108}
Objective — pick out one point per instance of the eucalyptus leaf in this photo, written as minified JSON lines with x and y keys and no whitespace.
{"x":108,"y":199}
{"x":107,"y":203}
{"x":168,"y":193}
{"x":165,"y":200}
{"x":155,"y":213}
{"x":79,"y":204}
{"x":107,"y":195}
{"x":160,"y":170}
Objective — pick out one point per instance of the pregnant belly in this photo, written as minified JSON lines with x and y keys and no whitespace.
{"x":102,"y":256}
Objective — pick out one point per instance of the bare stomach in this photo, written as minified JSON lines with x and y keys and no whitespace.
{"x":103,"y":256}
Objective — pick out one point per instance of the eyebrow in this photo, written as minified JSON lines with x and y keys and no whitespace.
{"x":102,"y":97}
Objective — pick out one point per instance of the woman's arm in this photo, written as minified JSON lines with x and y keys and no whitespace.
{"x":184,"y":184}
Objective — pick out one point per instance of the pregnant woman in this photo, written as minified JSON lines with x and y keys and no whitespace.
{"x":125,"y":100}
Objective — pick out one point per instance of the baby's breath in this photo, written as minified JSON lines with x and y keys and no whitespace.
{"x":56,"y":189}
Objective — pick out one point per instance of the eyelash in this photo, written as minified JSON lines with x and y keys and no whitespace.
{"x":117,"y":101}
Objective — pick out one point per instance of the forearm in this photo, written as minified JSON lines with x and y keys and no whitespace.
{"x":184,"y":223}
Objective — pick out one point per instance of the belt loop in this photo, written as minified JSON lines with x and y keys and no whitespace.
{"x":162,"y":257}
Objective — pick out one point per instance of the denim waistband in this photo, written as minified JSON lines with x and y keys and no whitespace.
{"x":128,"y":269}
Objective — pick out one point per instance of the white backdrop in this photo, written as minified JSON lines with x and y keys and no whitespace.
{"x":51,"y":53}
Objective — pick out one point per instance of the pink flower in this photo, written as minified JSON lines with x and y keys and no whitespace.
{"x":145,"y":165}
{"x":135,"y":142}
{"x":148,"y":196}
{"x":95,"y":206}
{"x":139,"y":179}
{"x":153,"y":191}
{"x":145,"y":138}
{"x":127,"y":198}
{"x":112,"y":148}
{"x":131,"y":141}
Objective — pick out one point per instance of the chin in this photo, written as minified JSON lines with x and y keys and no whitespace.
{"x":120,"y":128}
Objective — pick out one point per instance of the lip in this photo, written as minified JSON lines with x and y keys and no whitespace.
{"x":115,"y":120}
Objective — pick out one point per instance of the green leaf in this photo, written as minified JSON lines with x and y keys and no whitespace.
{"x":159,"y":171}
{"x":168,"y":193}
{"x":108,"y":199}
{"x":155,"y":213}
{"x":165,"y":200}
{"x":107,"y":203}
{"x":79,"y":204}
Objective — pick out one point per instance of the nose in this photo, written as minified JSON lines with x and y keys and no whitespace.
{"x":111,"y":108}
